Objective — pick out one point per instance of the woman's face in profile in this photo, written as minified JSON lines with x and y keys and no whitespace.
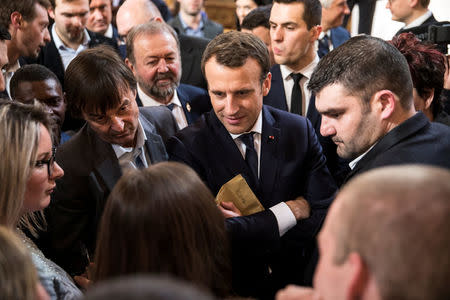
{"x":44,"y":172}
{"x":243,"y":7}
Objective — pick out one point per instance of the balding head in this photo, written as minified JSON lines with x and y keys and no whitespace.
{"x":135,"y":12}
{"x":388,"y":228}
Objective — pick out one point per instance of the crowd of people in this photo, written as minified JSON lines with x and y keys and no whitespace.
{"x":132,"y":143}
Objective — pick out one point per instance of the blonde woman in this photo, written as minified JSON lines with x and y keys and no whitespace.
{"x":27,"y":174}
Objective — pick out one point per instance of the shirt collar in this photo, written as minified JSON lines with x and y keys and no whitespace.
{"x":59,"y":43}
{"x":186,"y":26}
{"x":257,"y":127}
{"x":149,"y":101}
{"x":109,"y":31}
{"x":306,"y":71}
{"x":419,"y":21}
{"x":353,"y":163}
{"x":140,"y":141}
{"x":323,"y":33}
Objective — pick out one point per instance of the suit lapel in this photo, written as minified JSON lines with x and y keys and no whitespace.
{"x":153,"y":143}
{"x":269,"y":153}
{"x":232,"y":162}
{"x":184,"y":104}
{"x":312,"y":113}
{"x":107,"y":167}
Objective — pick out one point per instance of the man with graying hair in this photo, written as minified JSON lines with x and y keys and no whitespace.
{"x":364,"y":94}
{"x":387,"y":236}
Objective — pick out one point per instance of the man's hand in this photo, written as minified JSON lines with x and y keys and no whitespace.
{"x":229,"y":210}
{"x":300,"y":208}
{"x":293,"y":292}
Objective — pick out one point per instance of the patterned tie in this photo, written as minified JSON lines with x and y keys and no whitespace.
{"x":296,"y":96}
{"x":251,"y":157}
{"x":324,"y":46}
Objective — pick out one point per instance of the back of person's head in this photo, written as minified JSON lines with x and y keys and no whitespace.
{"x":427,"y":67}
{"x":233,"y":48}
{"x":19,"y":141}
{"x":94,"y":80}
{"x":26,"y":8}
{"x":18,"y":276}
{"x":135,"y":12}
{"x":143,"y":287}
{"x":258,"y":17}
{"x":312,"y":11}
{"x":163,"y":220}
{"x":149,"y":28}
{"x":364,"y":65}
{"x":397,"y":220}
{"x":30,"y":73}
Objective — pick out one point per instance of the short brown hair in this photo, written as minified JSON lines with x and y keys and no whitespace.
{"x":365,"y":65}
{"x":233,"y":48}
{"x":312,"y":12}
{"x":163,"y":219}
{"x":94,"y":80}
{"x":24,"y":7}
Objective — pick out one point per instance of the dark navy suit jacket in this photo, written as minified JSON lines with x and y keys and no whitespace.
{"x":195,"y":101}
{"x":415,"y":141}
{"x":339,"y":35}
{"x":291,"y":165}
{"x":277,"y":98}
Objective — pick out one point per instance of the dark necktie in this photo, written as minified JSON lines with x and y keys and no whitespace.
{"x":170,"y":106}
{"x":296,"y":96}
{"x":138,"y":160}
{"x":251,"y":157}
{"x":324,"y":46}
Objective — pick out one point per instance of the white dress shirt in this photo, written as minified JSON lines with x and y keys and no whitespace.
{"x":285,"y":218}
{"x":177,"y":110}
{"x":288,"y":82}
{"x":67,"y":53}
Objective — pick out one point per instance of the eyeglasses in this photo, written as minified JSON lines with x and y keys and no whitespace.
{"x":49,"y":162}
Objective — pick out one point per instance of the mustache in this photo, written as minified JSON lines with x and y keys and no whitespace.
{"x":167,"y":75}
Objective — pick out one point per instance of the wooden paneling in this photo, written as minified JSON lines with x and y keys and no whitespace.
{"x":222,"y":11}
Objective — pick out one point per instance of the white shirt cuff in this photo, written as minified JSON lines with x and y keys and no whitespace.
{"x":285,"y":218}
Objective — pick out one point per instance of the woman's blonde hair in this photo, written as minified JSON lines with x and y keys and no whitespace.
{"x":19,"y":141}
{"x":18,"y":276}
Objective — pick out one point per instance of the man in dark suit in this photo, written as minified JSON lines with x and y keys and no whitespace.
{"x":154,"y":57}
{"x":277,"y":153}
{"x":295,"y":52}
{"x":4,"y":36}
{"x":136,"y":12}
{"x":332,"y":35}
{"x":191,"y":20}
{"x":117,"y":137}
{"x":411,"y":13}
{"x":26,"y":22}
{"x":364,"y":93}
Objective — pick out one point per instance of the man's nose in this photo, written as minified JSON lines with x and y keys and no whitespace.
{"x":117,"y":124}
{"x":162,"y":66}
{"x":326,"y":129}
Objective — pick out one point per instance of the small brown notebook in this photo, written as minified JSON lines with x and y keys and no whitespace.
{"x":237,"y":191}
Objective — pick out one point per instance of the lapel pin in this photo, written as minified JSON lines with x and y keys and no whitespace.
{"x":271,"y":137}
{"x":188,"y":107}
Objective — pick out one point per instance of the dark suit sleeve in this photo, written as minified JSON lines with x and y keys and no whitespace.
{"x":320,"y":189}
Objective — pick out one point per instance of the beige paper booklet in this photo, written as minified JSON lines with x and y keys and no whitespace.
{"x":237,"y":191}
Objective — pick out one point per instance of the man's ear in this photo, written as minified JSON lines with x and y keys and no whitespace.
{"x":51,"y":12}
{"x":266,"y":84}
{"x":16,"y":19}
{"x":315,"y":32}
{"x":429,"y":97}
{"x":358,"y":276}
{"x":384,"y":101}
{"x":129,"y":64}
